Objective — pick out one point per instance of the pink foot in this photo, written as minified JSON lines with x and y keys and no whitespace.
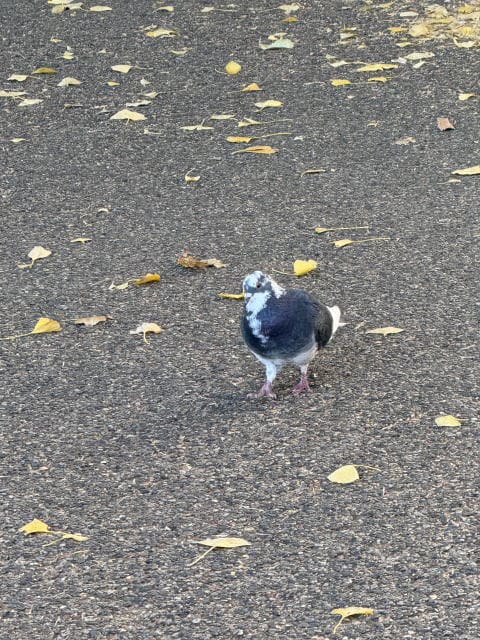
{"x":264,"y":392}
{"x":301,"y":386}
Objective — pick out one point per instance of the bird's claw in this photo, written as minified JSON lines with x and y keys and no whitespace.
{"x":264,"y":392}
{"x":301,"y":386}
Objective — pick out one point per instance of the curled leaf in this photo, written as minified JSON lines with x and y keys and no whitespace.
{"x":148,"y":277}
{"x":339,"y":82}
{"x":253,"y":86}
{"x":67,"y":82}
{"x":161,"y":33}
{"x":466,"y":96}
{"x":377,"y":66}
{"x":444,"y":124}
{"x":222,"y":543}
{"x":268,"y":103}
{"x":147,"y":327}
{"x":44,"y":70}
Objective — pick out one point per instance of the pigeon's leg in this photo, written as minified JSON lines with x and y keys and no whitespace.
{"x":303,"y":384}
{"x":266,"y":390}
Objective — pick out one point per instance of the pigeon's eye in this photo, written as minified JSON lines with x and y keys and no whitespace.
{"x":258,"y":285}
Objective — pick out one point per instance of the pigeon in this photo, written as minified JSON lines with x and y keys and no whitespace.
{"x":282,"y":326}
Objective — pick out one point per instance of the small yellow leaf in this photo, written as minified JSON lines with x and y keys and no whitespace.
{"x":223,"y":543}
{"x":191,"y":262}
{"x":397,"y":29}
{"x":466,"y":44}
{"x":466,"y":8}
{"x":119,"y":287}
{"x":289,"y":8}
{"x":466,"y":96}
{"x":468,"y":171}
{"x":265,"y":149}
{"x":232,"y":68}
{"x":404,"y":141}
{"x":346,"y":612}
{"x":278,"y":43}
{"x":419,"y":55}
{"x":78,"y":537}
{"x":444,"y":124}
{"x":189,"y":178}
{"x":268,"y":103}
{"x":112,"y":83}
{"x":247,"y":122}
{"x":290,"y":19}
{"x":126,"y":114}
{"x":68,"y":55}
{"x":253,"y":86}
{"x":46,"y":325}
{"x":147,"y":327}
{"x":385,"y":331}
{"x":310,"y":171}
{"x":38,"y":252}
{"x":344,"y":475}
{"x":378,"y":79}
{"x":301,"y":267}
{"x":28,"y":102}
{"x":342,"y":243}
{"x":121,"y":68}
{"x":180,"y":52}
{"x":18,"y":77}
{"x":81,"y":240}
{"x":419,"y":30}
{"x":246,"y":139}
{"x":339,"y":82}
{"x":100,"y":7}
{"x":91,"y":321}
{"x":222,"y":116}
{"x":148,"y":277}
{"x":196,"y":127}
{"x":17,"y":140}
{"x":447,"y":421}
{"x":5,"y":93}
{"x":167,"y":7}
{"x":233,"y":296}
{"x":161,"y":33}
{"x":35,"y":526}
{"x":66,"y":82}
{"x":377,"y":66}
{"x":46,"y":70}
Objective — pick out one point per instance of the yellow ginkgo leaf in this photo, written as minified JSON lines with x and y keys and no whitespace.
{"x":377,"y":66}
{"x":253,"y":86}
{"x":324,"y":229}
{"x":121,"y":68}
{"x":46,"y":325}
{"x":347,"y":612}
{"x":100,"y":7}
{"x":232,"y":68}
{"x":260,"y":148}
{"x":468,"y":171}
{"x":35,"y":526}
{"x":45,"y":70}
{"x":17,"y":140}
{"x":222,"y":116}
{"x":339,"y":82}
{"x":161,"y":33}
{"x":68,"y":55}
{"x":148,"y":277}
{"x":37,"y":253}
{"x":301,"y":267}
{"x":18,"y":77}
{"x":78,"y":537}
{"x":6,"y":93}
{"x":466,"y":96}
{"x":289,"y":8}
{"x":232,"y":296}
{"x":147,"y":327}
{"x":342,"y":243}
{"x":268,"y":103}
{"x":447,"y":421}
{"x":465,"y":44}
{"x":385,"y":331}
{"x":126,"y":114}
{"x":246,"y":139}
{"x":419,"y":55}
{"x":223,"y":543}
{"x":378,"y":79}
{"x":344,"y":475}
{"x":419,"y":30}
{"x":397,"y":29}
{"x":67,"y":82}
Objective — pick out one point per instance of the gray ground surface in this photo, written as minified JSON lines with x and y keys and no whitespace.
{"x":146,"y":447}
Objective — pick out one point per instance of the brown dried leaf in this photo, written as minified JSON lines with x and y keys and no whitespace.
{"x":191,"y":262}
{"x":91,"y":321}
{"x":444,"y":124}
{"x":265,"y":149}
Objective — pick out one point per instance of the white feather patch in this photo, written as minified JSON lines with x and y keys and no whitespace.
{"x":335,"y":313}
{"x":255,"y":304}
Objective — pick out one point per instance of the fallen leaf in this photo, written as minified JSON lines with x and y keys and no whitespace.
{"x":100,"y":7}
{"x":289,"y":8}
{"x":268,"y":103}
{"x":191,"y":262}
{"x":161,"y":33}
{"x":147,"y":327}
{"x":35,"y":526}
{"x":126,"y":114}
{"x":465,"y":44}
{"x":233,"y":296}
{"x":290,"y":19}
{"x":68,"y":55}
{"x":91,"y":321}
{"x":45,"y":70}
{"x":167,"y":7}
{"x":377,"y":66}
{"x":46,"y":325}
{"x":447,"y":421}
{"x":420,"y":55}
{"x":232,"y":68}
{"x":5,"y":93}
{"x":112,"y":83}
{"x":397,"y":29}
{"x":405,"y":141}
{"x":253,"y":86}
{"x":310,"y":171}
{"x":148,"y":277}
{"x":385,"y":331}
{"x":78,"y":537}
{"x":222,"y":116}
{"x":28,"y":102}
{"x":444,"y":124}
{"x":265,"y":149}
{"x":347,"y":241}
{"x":119,"y":287}
{"x":17,"y":140}
{"x":419,"y":30}
{"x":121,"y":68}
{"x":301,"y":267}
{"x":346,"y":612}
{"x":139,"y":103}
{"x":66,"y":82}
{"x":378,"y":79}
{"x":281,"y":43}
{"x":37,"y":253}
{"x":344,"y":475}
{"x":339,"y":82}
{"x":218,"y":543}
{"x":180,"y":52}
{"x":246,"y":139}
{"x":189,"y":178}
{"x":468,"y":171}
{"x":18,"y":77}
{"x":466,"y":96}
{"x":81,"y":240}
{"x":196,"y":127}
{"x":324,"y":229}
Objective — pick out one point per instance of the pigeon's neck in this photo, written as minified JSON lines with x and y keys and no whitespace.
{"x":278,"y":291}
{"x":256,"y":303}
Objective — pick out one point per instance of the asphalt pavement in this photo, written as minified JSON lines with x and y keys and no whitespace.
{"x":145,"y":448}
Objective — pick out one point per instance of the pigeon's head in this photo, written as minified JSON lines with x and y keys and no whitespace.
{"x":259,"y":282}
